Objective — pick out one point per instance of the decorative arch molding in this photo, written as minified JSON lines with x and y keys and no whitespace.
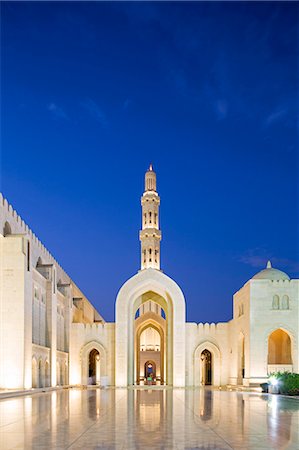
{"x":216,"y":362}
{"x":171,"y":299}
{"x":84,"y":359}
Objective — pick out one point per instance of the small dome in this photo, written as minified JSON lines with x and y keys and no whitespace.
{"x":271,"y":274}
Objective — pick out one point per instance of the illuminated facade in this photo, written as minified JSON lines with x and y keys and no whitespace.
{"x":50,"y":333}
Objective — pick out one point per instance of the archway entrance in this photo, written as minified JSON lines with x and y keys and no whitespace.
{"x":150,"y":285}
{"x":150,"y":346}
{"x":206,"y":367}
{"x":94,"y":367}
{"x":47,"y":374}
{"x":34,"y":373}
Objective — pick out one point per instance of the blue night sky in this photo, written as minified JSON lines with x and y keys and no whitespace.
{"x":208,"y":92}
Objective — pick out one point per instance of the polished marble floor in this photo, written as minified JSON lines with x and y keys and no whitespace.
{"x":149,"y":419}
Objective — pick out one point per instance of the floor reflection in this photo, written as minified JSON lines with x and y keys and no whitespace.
{"x":149,"y":419}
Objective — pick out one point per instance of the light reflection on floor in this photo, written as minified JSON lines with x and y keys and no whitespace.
{"x":149,"y":419}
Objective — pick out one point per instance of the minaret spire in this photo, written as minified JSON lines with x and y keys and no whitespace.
{"x":150,"y":235}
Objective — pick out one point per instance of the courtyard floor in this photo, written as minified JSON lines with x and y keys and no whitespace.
{"x":149,"y":419}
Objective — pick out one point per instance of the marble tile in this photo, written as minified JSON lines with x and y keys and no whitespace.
{"x":129,"y":419}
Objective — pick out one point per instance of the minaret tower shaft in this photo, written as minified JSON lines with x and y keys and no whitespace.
{"x":150,"y":235}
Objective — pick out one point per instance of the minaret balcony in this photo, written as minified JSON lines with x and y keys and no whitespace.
{"x":150,"y":233}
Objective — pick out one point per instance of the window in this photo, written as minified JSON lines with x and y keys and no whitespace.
{"x":285,"y":304}
{"x":6,"y":229}
{"x":275,"y":302}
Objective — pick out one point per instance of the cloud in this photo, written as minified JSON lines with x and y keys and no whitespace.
{"x":258,"y":257}
{"x":95,"y":111}
{"x":254,"y":260}
{"x":276,"y":116}
{"x":57,"y":112}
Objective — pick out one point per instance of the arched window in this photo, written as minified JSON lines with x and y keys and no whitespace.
{"x":275,"y":302}
{"x":6,"y":229}
{"x":279,"y":348}
{"x":285,"y":302}
{"x":150,"y":217}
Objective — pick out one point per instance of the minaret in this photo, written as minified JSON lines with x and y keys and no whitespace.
{"x":150,"y":235}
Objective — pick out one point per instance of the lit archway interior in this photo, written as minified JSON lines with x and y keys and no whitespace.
{"x":206,"y":368}
{"x":150,"y":356}
{"x":279,"y":348}
{"x":94,"y":367}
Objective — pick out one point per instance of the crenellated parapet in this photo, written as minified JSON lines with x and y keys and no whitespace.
{"x":12,"y":224}
{"x":18,"y":227}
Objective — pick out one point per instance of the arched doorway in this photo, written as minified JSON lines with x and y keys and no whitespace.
{"x":58,"y":373}
{"x":206,"y":368}
{"x":150,"y":343}
{"x":279,"y":350}
{"x":47,"y":374}
{"x":94,"y":367}
{"x":34,"y":373}
{"x":150,"y":284}
{"x":93,"y":357}
{"x":201,"y":358}
{"x":40,"y":374}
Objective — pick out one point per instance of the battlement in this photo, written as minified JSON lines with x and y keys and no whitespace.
{"x":19,"y":226}
{"x":38,"y":250}
{"x":208,"y":328}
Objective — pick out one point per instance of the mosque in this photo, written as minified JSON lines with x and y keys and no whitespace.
{"x":51,"y":334}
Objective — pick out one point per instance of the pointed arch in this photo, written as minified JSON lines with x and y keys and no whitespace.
{"x":84,"y":359}
{"x":170,"y":297}
{"x":216,"y":363}
{"x":279,"y":347}
{"x":6,"y":229}
{"x":34,"y":373}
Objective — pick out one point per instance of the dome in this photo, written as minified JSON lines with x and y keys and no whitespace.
{"x":271,"y":274}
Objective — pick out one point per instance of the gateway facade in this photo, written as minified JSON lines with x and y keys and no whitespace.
{"x":50,"y":333}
